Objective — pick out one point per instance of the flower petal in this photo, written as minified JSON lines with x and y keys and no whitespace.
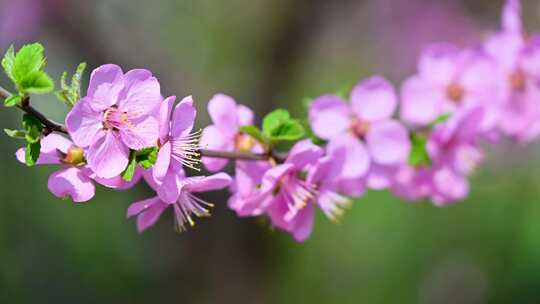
{"x":164,"y":115}
{"x":106,"y":82}
{"x":108,"y":156}
{"x":141,"y":134}
{"x":356,"y":156}
{"x":373,"y":99}
{"x":304,"y":153}
{"x":329,"y":116}
{"x":388,"y":142}
{"x":162,"y":163}
{"x":420,"y":102}
{"x":183,"y":118}
{"x":222,"y":110}
{"x":71,"y":182}
{"x":83,"y":123}
{"x":511,"y":17}
{"x":140,"y":97}
{"x":207,"y":183}
{"x":148,"y":212}
{"x":245,"y":115}
{"x":212,"y":138}
{"x":438,"y":63}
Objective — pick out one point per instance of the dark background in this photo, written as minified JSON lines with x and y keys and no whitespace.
{"x":265,"y":53}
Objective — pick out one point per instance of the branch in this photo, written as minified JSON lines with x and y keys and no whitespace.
{"x":60,"y":128}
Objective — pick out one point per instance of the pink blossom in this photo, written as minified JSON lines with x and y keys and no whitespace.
{"x":148,"y":211}
{"x":370,"y":140}
{"x":518,"y":67}
{"x":290,"y":191}
{"x":224,"y":134}
{"x":115,"y":117}
{"x":450,"y":80}
{"x":74,"y":179}
{"x":178,"y":147}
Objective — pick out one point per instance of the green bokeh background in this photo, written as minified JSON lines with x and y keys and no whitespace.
{"x":265,"y":53}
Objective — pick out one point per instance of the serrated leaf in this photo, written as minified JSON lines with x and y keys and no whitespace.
{"x":18,"y":134}
{"x":8,"y":61}
{"x":254,"y":132}
{"x":274,"y":119}
{"x":28,"y":60}
{"x":71,"y":94}
{"x":147,"y":157}
{"x":33,"y":128}
{"x":12,"y":100}
{"x":419,"y":155}
{"x":31,"y":153}
{"x":129,"y":172}
{"x":76,"y":81}
{"x":36,"y":82}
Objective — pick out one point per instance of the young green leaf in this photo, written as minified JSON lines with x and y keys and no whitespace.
{"x":419,"y":155}
{"x":288,"y":131}
{"x":18,"y":134}
{"x":147,"y":157}
{"x":254,"y":132}
{"x":128,"y":174}
{"x":8,"y":62}
{"x":71,"y":94}
{"x":31,"y":154}
{"x":441,"y":119}
{"x":12,"y":100}
{"x":33,"y":128}
{"x":29,"y":59}
{"x":274,"y":119}
{"x":36,"y":82}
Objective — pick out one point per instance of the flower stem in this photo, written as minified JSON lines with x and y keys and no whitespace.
{"x":53,"y":126}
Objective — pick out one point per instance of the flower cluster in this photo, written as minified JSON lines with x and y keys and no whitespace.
{"x":422,"y":141}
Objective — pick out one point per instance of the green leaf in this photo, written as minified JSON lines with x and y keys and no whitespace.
{"x":147,"y":157}
{"x":128,"y":174}
{"x":19,"y":134}
{"x":419,"y":155}
{"x":29,"y":59}
{"x":12,"y":100}
{"x":71,"y":94}
{"x":31,"y":154}
{"x":254,"y":132}
{"x":8,"y":62}
{"x":289,"y":131}
{"x":274,"y":119}
{"x":441,"y":119}
{"x":33,"y":128}
{"x":37,"y":82}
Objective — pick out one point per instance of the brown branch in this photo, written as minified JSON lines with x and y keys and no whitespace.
{"x":60,"y":128}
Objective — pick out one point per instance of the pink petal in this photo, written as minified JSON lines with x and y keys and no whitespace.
{"x":452,"y":186}
{"x":183,"y":118}
{"x":222,"y":110}
{"x":438,"y":63}
{"x":164,"y":115}
{"x":388,"y":142}
{"x":373,"y":99}
{"x":83,"y":123}
{"x":162,"y":163}
{"x":148,"y":212}
{"x":213,"y":139}
{"x":106,"y":82}
{"x":329,"y":116}
{"x":245,"y":115}
{"x":52,"y":147}
{"x":170,"y":187}
{"x":303,"y":153}
{"x":108,"y":156}
{"x":140,"y":97}
{"x":118,"y":182}
{"x":420,"y":102}
{"x":505,"y":48}
{"x":249,"y":174}
{"x":141,"y":134}
{"x":356,"y":156}
{"x":511,"y":18}
{"x":302,"y":225}
{"x":71,"y":182}
{"x":207,"y":183}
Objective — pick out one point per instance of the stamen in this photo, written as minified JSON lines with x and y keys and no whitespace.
{"x":186,"y":150}
{"x":333,"y":205}
{"x":186,"y":206}
{"x":114,"y":119}
{"x":360,"y":128}
{"x":298,"y":194}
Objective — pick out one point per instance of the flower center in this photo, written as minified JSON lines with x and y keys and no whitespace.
{"x":115,"y":119}
{"x":298,"y":193}
{"x":187,"y":206}
{"x":243,"y":142}
{"x":74,"y":156}
{"x":360,"y":128}
{"x":518,"y":80}
{"x":455,"y":92}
